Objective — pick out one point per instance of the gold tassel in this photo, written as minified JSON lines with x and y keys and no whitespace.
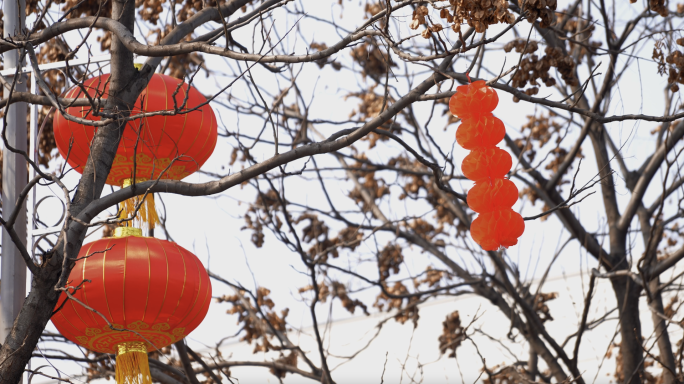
{"x":147,"y":214}
{"x":132,"y":366}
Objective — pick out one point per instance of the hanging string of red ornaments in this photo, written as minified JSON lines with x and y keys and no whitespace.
{"x":487,"y":165}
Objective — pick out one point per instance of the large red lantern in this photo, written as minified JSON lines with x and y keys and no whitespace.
{"x":172,"y":147}
{"x":492,"y":196}
{"x":152,"y":142}
{"x":152,"y":293}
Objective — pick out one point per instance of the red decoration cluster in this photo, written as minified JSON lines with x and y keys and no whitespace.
{"x":493,"y":195}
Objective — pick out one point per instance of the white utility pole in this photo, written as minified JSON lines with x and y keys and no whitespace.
{"x":14,"y":179}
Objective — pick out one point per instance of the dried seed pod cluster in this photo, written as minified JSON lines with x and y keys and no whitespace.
{"x":675,"y":64}
{"x":493,"y":195}
{"x":534,"y":69}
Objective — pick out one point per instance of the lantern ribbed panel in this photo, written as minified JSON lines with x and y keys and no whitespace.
{"x":487,"y":165}
{"x":159,"y":139}
{"x":148,"y":285}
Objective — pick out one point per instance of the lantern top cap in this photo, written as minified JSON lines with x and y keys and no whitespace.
{"x":120,"y":232}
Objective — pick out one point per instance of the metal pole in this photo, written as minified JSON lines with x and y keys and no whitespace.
{"x":12,"y":265}
{"x":33,"y":154}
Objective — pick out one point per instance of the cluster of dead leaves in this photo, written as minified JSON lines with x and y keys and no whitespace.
{"x":255,"y":327}
{"x":426,"y":230}
{"x":405,"y":312}
{"x":398,"y":296}
{"x":672,"y":64}
{"x":150,"y":10}
{"x":374,"y":61}
{"x":541,"y":307}
{"x":390,"y":259}
{"x":542,"y":10}
{"x":339,"y":291}
{"x":316,"y":233}
{"x":659,"y":7}
{"x":533,"y":68}
{"x":370,"y":106}
{"x":478,"y":14}
{"x":265,"y":212}
{"x":261,"y":213}
{"x":414,"y":183}
{"x":432,"y":278}
{"x":336,"y":290}
{"x":374,"y":187}
{"x":452,"y":335}
{"x":420,"y":17}
{"x":537,"y":132}
{"x":323,"y":246}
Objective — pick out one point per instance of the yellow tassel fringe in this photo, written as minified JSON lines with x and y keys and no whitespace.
{"x":132,"y":366}
{"x":147,"y":214}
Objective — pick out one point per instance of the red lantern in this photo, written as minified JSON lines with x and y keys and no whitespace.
{"x":172,"y":147}
{"x":487,"y":197}
{"x":153,"y":293}
{"x":474,"y":99}
{"x":500,"y":228}
{"x":153,"y":142}
{"x":481,"y":131}
{"x":487,"y":165}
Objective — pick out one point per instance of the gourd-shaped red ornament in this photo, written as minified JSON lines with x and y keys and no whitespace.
{"x":170,"y":146}
{"x":487,"y":165}
{"x":152,"y":292}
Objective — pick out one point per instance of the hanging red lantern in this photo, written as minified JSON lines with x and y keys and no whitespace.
{"x":152,"y":292}
{"x":487,"y":197}
{"x":473,"y":100}
{"x":499,"y":228}
{"x":487,"y":165}
{"x":172,"y":147}
{"x":480,"y":132}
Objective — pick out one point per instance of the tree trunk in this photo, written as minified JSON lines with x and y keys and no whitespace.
{"x":666,"y":357}
{"x":627,"y":295}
